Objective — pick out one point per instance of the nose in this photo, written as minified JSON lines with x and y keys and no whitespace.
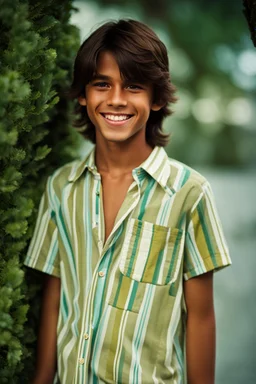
{"x":116,"y":97}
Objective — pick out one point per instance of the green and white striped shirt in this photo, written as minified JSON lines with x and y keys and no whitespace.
{"x":122,"y":310}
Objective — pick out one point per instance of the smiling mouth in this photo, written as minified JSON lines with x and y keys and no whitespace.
{"x":116,"y":118}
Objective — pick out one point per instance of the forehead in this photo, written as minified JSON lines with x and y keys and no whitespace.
{"x":107,"y":64}
{"x":120,"y":65}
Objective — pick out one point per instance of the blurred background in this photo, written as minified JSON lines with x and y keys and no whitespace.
{"x":213,"y":65}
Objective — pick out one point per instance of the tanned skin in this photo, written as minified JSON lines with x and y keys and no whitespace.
{"x":200,"y":331}
{"x":47,"y":338}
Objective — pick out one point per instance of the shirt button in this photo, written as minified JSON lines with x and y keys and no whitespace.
{"x":81,"y":361}
{"x":101,"y":273}
{"x":86,"y":336}
{"x":97,"y":193}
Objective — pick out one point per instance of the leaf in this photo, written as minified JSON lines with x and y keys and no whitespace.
{"x":42,"y":152}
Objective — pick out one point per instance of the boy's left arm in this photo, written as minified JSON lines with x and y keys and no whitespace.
{"x":200,"y":329}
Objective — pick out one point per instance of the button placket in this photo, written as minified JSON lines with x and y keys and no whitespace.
{"x":100,"y":246}
{"x":96,"y":214}
{"x":100,"y":282}
{"x":81,"y":360}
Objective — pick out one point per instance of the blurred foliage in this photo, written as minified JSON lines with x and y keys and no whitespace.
{"x":210,"y":51}
{"x":37,"y":46}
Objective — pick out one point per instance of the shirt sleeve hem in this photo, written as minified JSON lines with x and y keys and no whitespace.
{"x":200,"y":271}
{"x":42,"y":266}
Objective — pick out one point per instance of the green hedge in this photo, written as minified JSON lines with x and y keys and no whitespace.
{"x":37,"y":48}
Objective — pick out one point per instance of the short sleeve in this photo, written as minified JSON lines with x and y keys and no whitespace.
{"x":205,"y":245}
{"x":43,"y":252}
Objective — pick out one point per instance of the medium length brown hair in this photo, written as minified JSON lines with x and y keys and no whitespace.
{"x":141,"y":56}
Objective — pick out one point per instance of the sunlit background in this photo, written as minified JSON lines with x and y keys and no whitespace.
{"x":213,"y":65}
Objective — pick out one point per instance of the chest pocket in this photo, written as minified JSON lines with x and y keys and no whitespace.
{"x":151,"y":254}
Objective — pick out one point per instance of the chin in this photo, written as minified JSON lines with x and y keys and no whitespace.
{"x":115,"y":138}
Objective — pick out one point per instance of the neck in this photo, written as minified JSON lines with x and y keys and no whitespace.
{"x":120,"y":158}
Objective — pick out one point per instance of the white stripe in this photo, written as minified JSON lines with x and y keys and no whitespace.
{"x":143,"y":251}
{"x":65,"y":201}
{"x":165,"y":208}
{"x":36,"y":245}
{"x":174,"y":322}
{"x":195,"y":254}
{"x":154,"y":154}
{"x":166,"y":250}
{"x":180,"y":258}
{"x":216,"y":226}
{"x":120,"y":343}
{"x":126,"y":245}
{"x":101,"y":339}
{"x":178,"y":178}
{"x":140,"y":332}
{"x":54,"y":240}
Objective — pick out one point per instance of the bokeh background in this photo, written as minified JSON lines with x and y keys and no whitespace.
{"x":213,"y":65}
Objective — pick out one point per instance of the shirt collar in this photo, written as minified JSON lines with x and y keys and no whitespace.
{"x":157,"y":165}
{"x":80,"y":167}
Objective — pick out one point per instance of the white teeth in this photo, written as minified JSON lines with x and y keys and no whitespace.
{"x":117,"y":118}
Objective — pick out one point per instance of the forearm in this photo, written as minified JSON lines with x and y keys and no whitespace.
{"x":200,"y":349}
{"x":200,"y":329}
{"x":47,"y":339}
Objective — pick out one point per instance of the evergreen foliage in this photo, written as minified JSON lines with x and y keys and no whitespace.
{"x":37,"y":48}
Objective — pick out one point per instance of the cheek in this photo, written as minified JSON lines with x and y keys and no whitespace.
{"x":91,"y":114}
{"x":144,"y":109}
{"x":93,"y":98}
{"x":93,"y":103}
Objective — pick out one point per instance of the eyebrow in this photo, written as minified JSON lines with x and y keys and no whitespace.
{"x":99,"y":76}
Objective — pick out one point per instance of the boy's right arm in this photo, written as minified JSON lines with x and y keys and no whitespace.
{"x":47,"y":340}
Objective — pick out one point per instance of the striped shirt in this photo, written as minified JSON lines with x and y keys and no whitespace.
{"x":122,"y":310}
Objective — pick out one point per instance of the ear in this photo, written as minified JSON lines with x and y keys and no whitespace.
{"x":156,"y":107}
{"x":82,"y":100}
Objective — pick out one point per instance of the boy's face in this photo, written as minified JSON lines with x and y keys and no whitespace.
{"x":119,"y":110}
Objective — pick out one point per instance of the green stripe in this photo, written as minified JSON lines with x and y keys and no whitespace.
{"x":145,"y":198}
{"x":64,"y":305}
{"x":145,"y":266}
{"x":202,"y":215}
{"x":120,"y":367}
{"x":118,"y":289}
{"x":133,"y":295}
{"x":134,"y":249}
{"x":158,"y":266}
{"x":185,"y":177}
{"x":174,"y":257}
{"x":192,"y":262}
{"x":66,"y":237}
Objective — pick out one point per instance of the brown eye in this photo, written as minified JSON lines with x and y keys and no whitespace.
{"x":101,"y":84}
{"x":134,"y":87}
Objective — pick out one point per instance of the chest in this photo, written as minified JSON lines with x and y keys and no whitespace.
{"x":113,"y":194}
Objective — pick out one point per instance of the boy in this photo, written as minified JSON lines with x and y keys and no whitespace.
{"x":128,"y":237}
